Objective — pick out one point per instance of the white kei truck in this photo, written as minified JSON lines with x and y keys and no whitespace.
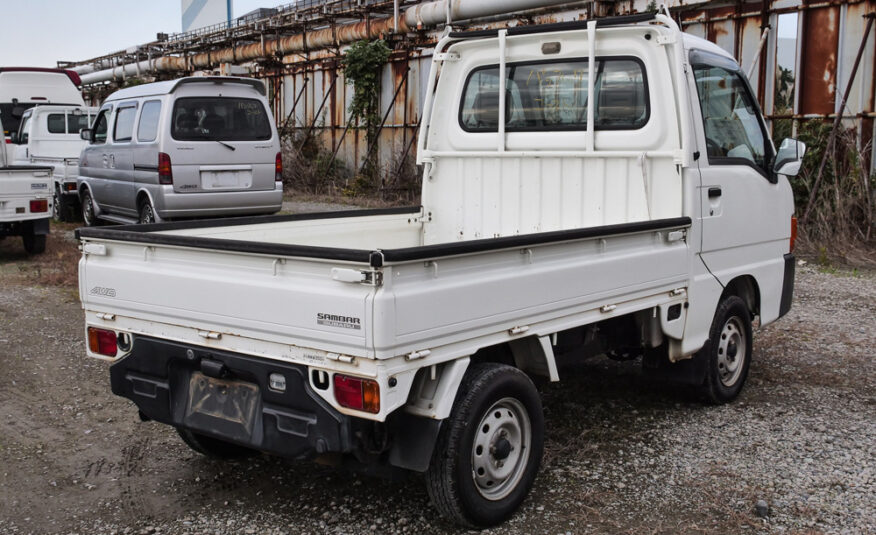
{"x":614,"y":191}
{"x":25,"y":203}
{"x":49,"y":135}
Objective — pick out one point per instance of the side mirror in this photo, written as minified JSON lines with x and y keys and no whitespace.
{"x":789,"y":157}
{"x":13,"y":137}
{"x":86,"y":134}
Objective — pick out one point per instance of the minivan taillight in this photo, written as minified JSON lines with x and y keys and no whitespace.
{"x":165,"y":172}
{"x":793,"y":234}
{"x":278,"y":167}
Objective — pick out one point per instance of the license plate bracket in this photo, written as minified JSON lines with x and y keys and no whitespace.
{"x":223,"y":407}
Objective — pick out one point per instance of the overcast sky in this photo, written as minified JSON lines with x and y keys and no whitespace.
{"x":41,"y":32}
{"x":38,"y":33}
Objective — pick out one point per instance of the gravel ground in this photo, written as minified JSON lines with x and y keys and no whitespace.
{"x":623,"y":454}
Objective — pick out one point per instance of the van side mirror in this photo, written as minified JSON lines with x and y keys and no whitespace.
{"x":86,"y":134}
{"x":789,"y":157}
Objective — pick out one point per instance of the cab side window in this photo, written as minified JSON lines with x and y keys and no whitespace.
{"x":730,"y":118}
{"x":22,"y":130}
{"x":101,"y":126}
{"x":147,"y":130}
{"x":124,"y":127}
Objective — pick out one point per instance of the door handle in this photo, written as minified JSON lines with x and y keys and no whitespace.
{"x":714,"y":192}
{"x":113,"y":163}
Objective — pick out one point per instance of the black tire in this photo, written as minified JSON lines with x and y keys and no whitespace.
{"x":212,"y":447}
{"x":58,"y":209}
{"x":145,"y":212}
{"x":34,"y":243}
{"x":726,"y":362}
{"x":88,"y":216}
{"x":456,"y":488}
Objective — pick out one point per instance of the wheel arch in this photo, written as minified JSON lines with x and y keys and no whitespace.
{"x":746,"y":288}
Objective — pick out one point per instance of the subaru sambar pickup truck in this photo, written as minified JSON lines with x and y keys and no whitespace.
{"x":601,"y":187}
{"x":25,"y":203}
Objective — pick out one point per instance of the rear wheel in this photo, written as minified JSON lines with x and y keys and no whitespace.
{"x":34,"y":243}
{"x":212,"y":447}
{"x":88,"y":216}
{"x":727,"y":353}
{"x":57,"y":209}
{"x":147,"y":214}
{"x":479,"y":474}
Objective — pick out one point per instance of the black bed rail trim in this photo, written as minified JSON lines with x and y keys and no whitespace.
{"x":26,"y":167}
{"x":606,"y":22}
{"x":510,"y":242}
{"x":145,"y":234}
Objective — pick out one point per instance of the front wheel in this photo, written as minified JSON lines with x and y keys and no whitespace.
{"x":727,"y":353}
{"x":489,"y":449}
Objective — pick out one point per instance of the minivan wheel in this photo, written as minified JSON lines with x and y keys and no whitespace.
{"x":727,"y":354}
{"x":88,"y":210}
{"x":147,"y":214}
{"x":489,"y":449}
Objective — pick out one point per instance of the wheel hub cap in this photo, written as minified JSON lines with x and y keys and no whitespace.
{"x":500,"y":452}
{"x":731,"y":351}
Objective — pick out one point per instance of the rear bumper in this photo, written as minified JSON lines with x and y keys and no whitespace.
{"x":787,"y":285}
{"x":296,"y":423}
{"x":170,"y":204}
{"x":19,"y":228}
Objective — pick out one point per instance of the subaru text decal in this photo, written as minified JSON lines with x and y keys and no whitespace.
{"x":333,"y":320}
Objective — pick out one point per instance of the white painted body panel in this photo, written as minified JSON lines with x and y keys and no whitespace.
{"x":440,"y":309}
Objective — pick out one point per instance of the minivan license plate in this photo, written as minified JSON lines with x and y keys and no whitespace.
{"x":226,"y":179}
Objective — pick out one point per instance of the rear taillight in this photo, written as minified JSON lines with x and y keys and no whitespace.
{"x":357,"y":393}
{"x":70,"y":186}
{"x":39,"y":205}
{"x":278,"y":167}
{"x":165,"y":171}
{"x":793,"y":233}
{"x":102,"y":342}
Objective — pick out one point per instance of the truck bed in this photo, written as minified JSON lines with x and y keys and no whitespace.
{"x":264,"y":286}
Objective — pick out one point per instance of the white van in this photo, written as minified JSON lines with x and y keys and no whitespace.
{"x":193,"y":147}
{"x":22,"y":88}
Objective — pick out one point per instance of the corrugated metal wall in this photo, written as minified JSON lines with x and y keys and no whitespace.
{"x":829,"y":34}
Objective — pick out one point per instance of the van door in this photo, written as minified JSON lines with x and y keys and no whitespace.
{"x":94,"y":160}
{"x":222,"y":144}
{"x":120,"y":179}
{"x":745,"y":207}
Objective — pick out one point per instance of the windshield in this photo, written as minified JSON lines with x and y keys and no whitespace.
{"x":10,"y":115}
{"x":220,"y":119}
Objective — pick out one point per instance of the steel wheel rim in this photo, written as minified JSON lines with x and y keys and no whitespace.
{"x":56,"y":206}
{"x":500,"y":452}
{"x":148,"y":216}
{"x":732,"y":348}
{"x":88,"y":211}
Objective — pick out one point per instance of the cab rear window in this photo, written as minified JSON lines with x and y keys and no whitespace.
{"x":552,"y":95}
{"x":220,"y":119}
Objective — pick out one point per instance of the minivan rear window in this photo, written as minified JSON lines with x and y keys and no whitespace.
{"x":220,"y":118}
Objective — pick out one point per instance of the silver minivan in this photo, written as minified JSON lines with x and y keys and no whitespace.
{"x":193,"y":147}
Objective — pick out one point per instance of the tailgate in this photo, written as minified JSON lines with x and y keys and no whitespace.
{"x":21,"y":184}
{"x":233,"y":300}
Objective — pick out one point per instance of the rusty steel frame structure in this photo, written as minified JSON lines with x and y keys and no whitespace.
{"x":306,"y":82}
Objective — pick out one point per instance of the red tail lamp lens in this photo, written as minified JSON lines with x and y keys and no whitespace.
{"x":102,"y":342}
{"x":793,"y":233}
{"x":165,"y":171}
{"x":39,"y":205}
{"x":278,"y":167}
{"x":357,"y":393}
